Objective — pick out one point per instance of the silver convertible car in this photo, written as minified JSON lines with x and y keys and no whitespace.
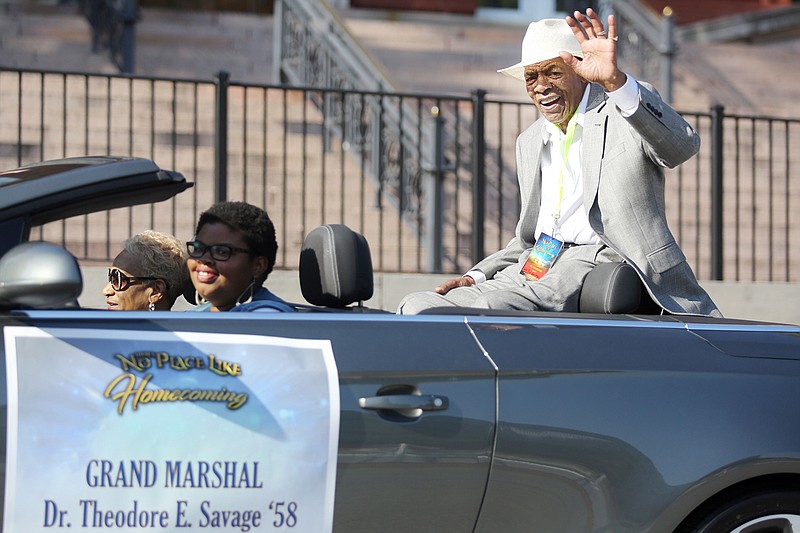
{"x":343,"y":418}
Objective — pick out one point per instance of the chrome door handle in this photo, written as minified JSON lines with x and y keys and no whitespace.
{"x":406,"y":404}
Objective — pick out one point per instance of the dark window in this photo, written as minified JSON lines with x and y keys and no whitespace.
{"x":505,"y":4}
{"x":570,"y":6}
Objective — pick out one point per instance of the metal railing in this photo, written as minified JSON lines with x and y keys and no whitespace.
{"x":735,"y":208}
{"x":647,"y":46}
{"x":313,"y":48}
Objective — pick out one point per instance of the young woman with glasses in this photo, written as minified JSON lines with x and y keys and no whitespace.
{"x":230,"y":257}
{"x":148,"y":274}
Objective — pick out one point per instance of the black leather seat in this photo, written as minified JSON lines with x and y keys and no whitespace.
{"x":336,"y":271}
{"x":336,"y":267}
{"x":615,"y":288}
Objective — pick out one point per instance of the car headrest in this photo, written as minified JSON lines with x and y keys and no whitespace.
{"x":611,"y":288}
{"x":335,"y":267}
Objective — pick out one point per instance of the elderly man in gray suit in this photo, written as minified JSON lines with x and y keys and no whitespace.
{"x":592,"y":182}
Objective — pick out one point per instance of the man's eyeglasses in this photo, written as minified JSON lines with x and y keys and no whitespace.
{"x":219,"y":252}
{"x":120,"y":281}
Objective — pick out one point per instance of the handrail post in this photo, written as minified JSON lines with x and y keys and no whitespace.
{"x":128,"y":14}
{"x":94,"y":9}
{"x":277,"y":42}
{"x":667,"y":53}
{"x":478,"y":172}
{"x":717,"y":147}
{"x":434,"y":197}
{"x":221,"y":138}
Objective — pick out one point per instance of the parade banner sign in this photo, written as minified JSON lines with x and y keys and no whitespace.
{"x":169,"y":431}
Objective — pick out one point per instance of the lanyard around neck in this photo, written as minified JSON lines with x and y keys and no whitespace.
{"x":566,"y":143}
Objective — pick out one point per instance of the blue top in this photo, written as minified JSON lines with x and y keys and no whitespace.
{"x":263,"y":301}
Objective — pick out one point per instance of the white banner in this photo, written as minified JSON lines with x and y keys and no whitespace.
{"x":169,"y":431}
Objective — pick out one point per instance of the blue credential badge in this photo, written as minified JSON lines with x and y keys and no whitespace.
{"x":542,"y":257}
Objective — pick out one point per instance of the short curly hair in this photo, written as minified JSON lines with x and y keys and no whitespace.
{"x":161,"y":256}
{"x":254,"y":224}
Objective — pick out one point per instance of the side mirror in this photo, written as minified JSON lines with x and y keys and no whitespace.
{"x":39,"y":275}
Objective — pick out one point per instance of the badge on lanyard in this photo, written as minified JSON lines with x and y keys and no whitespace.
{"x":545,"y":251}
{"x":542,"y":257}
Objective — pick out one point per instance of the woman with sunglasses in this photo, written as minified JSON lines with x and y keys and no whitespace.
{"x":148,"y":274}
{"x":230,"y":257}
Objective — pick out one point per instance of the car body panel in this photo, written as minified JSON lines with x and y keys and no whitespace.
{"x":758,"y":342}
{"x":607,"y":438}
{"x":394,"y":474}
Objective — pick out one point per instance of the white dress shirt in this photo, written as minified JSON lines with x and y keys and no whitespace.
{"x":573,"y":223}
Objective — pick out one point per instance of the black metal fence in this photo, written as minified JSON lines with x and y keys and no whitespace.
{"x":313,"y":156}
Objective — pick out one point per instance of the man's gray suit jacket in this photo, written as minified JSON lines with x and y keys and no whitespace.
{"x":623,"y":178}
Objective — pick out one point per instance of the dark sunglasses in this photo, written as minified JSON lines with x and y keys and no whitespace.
{"x":219,"y":252}
{"x":120,"y":282}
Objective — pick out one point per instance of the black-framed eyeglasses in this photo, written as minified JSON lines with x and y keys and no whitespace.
{"x":219,"y":252}
{"x":120,"y":281}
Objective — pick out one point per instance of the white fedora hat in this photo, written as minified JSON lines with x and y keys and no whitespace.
{"x":544,"y":40}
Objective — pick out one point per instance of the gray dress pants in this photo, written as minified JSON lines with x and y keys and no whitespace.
{"x":558,"y":290}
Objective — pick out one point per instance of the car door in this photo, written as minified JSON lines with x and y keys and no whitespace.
{"x":417,"y":406}
{"x":618,"y":424}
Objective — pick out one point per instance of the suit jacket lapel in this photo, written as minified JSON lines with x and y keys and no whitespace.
{"x":594,"y":141}
{"x":530,"y":213}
